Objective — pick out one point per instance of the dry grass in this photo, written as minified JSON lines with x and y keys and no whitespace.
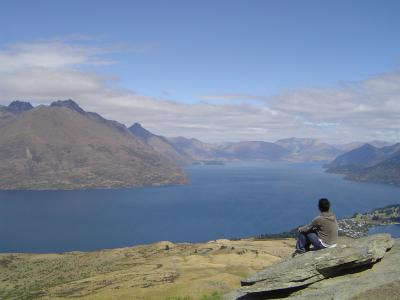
{"x":158,"y":271}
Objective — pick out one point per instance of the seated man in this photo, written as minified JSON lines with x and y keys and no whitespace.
{"x":321,"y":233}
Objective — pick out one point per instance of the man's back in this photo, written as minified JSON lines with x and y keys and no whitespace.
{"x":326,"y":228}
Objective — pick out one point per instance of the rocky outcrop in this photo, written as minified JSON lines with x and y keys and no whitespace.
{"x":304,"y":275}
{"x":14,"y":108}
{"x":17,"y":107}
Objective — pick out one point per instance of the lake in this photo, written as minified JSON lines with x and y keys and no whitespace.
{"x":226,"y":201}
{"x":393,"y":229}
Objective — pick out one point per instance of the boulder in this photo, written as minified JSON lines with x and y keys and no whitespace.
{"x":294,"y":274}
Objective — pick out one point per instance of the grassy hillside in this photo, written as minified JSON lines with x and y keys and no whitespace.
{"x":158,"y":271}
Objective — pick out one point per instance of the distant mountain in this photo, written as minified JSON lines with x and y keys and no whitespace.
{"x":15,"y":107}
{"x":349,"y":146}
{"x":379,"y":143}
{"x":387,"y":171}
{"x":359,"y":158}
{"x":198,"y":150}
{"x":354,"y":145}
{"x":292,"y":150}
{"x":255,"y":150}
{"x":363,"y":157}
{"x":70,"y":104}
{"x":140,"y":132}
{"x":308,"y":150}
{"x":63,"y":147}
{"x":390,"y":151}
{"x":161,"y":145}
{"x":369,"y":163}
{"x":188,"y":150}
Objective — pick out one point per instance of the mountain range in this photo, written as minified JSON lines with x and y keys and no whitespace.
{"x":376,"y":161}
{"x":61,"y":146}
{"x":183,"y":150}
{"x":161,"y":145}
{"x":369,"y":163}
{"x":306,"y":150}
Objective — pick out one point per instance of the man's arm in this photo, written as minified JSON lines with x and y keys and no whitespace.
{"x":309,"y":227}
{"x":305,"y":228}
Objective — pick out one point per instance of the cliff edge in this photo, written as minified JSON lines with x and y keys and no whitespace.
{"x":356,"y":269}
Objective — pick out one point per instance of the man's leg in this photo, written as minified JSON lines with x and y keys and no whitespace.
{"x":302,"y":244}
{"x":312,"y":238}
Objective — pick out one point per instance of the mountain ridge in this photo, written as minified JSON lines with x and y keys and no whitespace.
{"x":161,"y":145}
{"x":369,"y":163}
{"x":63,"y":147}
{"x":184,"y":151}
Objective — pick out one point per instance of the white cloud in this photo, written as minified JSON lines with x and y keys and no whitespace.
{"x":48,"y":70}
{"x":365,"y":109}
{"x":48,"y":55}
{"x":231,"y":96}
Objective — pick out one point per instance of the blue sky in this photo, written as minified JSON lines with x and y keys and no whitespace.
{"x":221,"y":53}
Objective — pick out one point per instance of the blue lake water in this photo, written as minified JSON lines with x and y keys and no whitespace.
{"x":234,"y":200}
{"x":394,"y":230}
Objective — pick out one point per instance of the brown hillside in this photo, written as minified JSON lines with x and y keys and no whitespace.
{"x":62,"y":148}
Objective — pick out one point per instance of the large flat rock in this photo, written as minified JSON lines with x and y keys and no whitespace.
{"x":381,"y":281}
{"x":294,"y":274}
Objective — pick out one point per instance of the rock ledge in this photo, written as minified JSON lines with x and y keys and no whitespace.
{"x":295,"y":274}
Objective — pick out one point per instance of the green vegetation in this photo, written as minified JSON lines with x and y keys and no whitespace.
{"x":277,"y":236}
{"x":213,"y":296}
{"x":387,"y":214}
{"x":179,"y":298}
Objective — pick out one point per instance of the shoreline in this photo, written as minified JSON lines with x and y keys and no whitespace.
{"x":356,"y":226}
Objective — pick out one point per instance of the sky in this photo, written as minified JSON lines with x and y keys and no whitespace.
{"x":214,"y":70}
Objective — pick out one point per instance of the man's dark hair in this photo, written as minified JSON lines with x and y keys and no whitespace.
{"x":323,"y":204}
